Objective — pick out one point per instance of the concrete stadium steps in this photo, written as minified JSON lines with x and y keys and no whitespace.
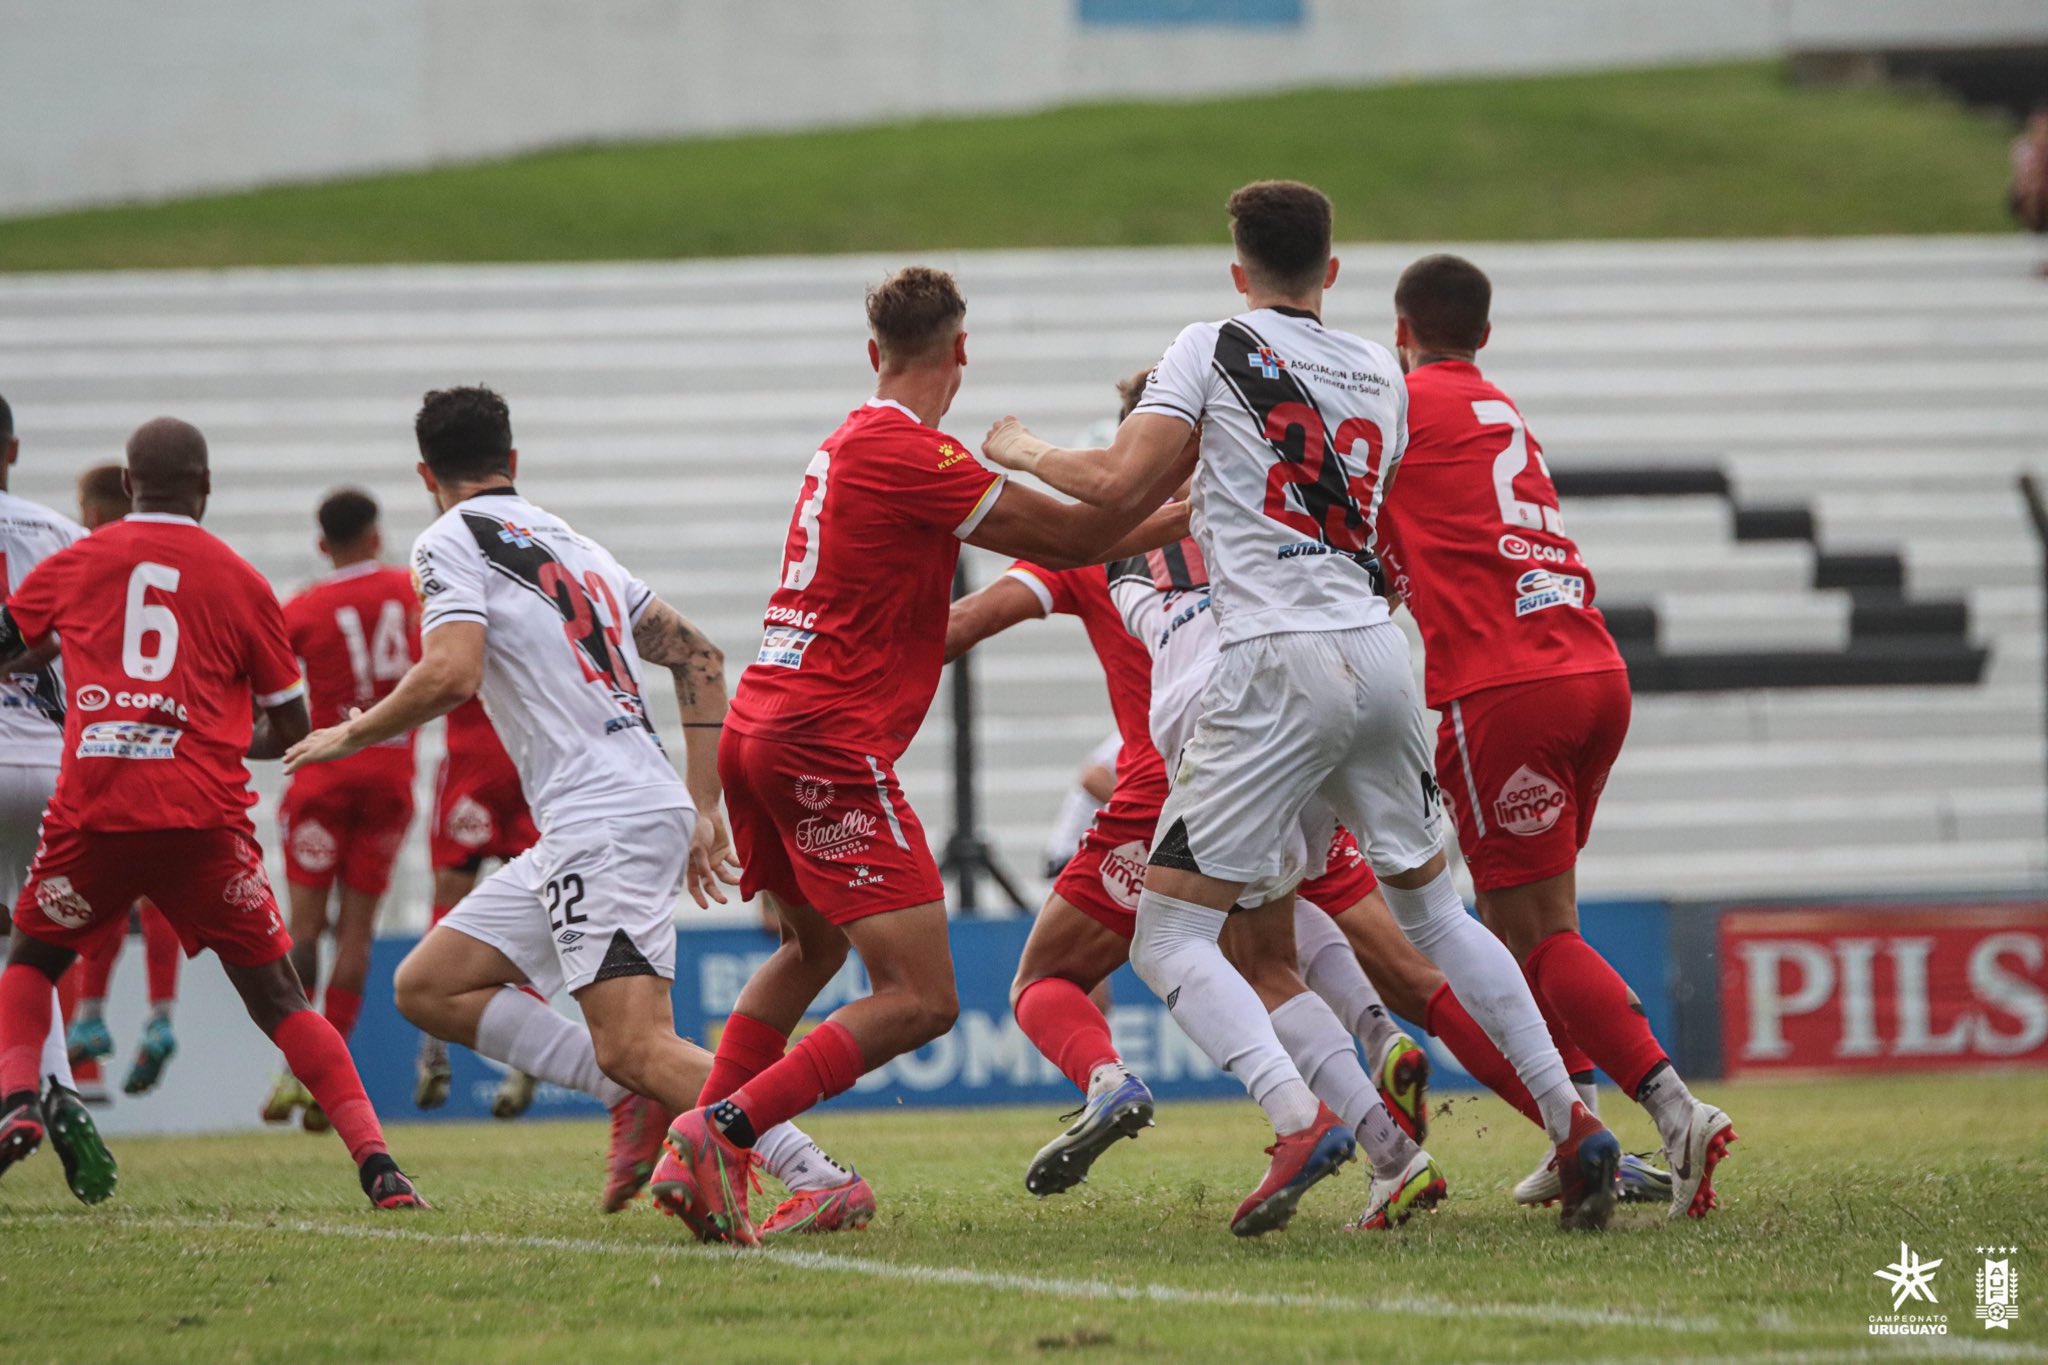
{"x":1889,"y":390}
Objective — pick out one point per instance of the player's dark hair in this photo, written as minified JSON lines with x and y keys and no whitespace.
{"x":6,"y":420}
{"x":1130,"y":392}
{"x":1446,"y":300}
{"x":346,"y":516}
{"x":1282,"y":231}
{"x":465,"y":434}
{"x":914,"y":310}
{"x":101,"y":486}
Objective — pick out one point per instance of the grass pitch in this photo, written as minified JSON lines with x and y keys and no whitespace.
{"x":1723,"y":151}
{"x":259,"y":1248}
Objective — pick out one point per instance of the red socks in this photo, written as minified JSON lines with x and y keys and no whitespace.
{"x":342,"y":1008}
{"x":25,"y":1006}
{"x":1575,"y":984}
{"x":826,"y":1063}
{"x":96,"y":967}
{"x":1063,"y":1023}
{"x":161,"y":951}
{"x":319,"y":1058}
{"x":1446,"y":1018}
{"x":1577,"y":1064}
{"x":746,"y":1048}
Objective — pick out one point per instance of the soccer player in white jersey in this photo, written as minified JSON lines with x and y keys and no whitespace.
{"x":1311,"y":715}
{"x":31,"y":747}
{"x":552,"y":632}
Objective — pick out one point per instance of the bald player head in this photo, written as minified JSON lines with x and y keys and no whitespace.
{"x":167,"y":468}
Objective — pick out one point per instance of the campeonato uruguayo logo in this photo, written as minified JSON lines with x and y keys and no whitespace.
{"x":1913,"y":1280}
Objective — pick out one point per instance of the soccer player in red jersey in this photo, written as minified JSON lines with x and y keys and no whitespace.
{"x":166,"y":637}
{"x":480,"y":815}
{"x":357,"y":632}
{"x":103,"y":500}
{"x":1533,"y":694}
{"x":856,"y":635}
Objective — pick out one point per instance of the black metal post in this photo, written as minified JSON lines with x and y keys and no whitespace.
{"x":968,"y":854}
{"x":2037,"y":511}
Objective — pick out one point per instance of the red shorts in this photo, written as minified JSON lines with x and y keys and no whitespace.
{"x":1103,"y":878}
{"x":343,"y":821}
{"x":1522,"y":767}
{"x":209,"y":883}
{"x":479,"y":812}
{"x":1347,"y":878}
{"x":823,"y":827}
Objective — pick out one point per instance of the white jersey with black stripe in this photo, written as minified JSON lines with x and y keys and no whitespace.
{"x":562,"y":680}
{"x":31,"y":704}
{"x":1302,"y":428}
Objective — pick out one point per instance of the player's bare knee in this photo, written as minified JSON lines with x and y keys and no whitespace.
{"x":628,"y":1056}
{"x":418,"y":996}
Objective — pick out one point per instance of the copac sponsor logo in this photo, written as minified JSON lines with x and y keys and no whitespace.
{"x":1512,"y":546}
{"x":791,"y":616}
{"x":1849,"y":988}
{"x":1529,"y":803}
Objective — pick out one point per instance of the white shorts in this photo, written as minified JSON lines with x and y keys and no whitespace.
{"x":25,"y":791}
{"x":589,"y":902}
{"x":1298,"y":731}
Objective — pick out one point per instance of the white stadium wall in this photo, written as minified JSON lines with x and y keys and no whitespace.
{"x":105,"y":101}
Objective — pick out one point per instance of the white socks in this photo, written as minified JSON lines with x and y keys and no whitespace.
{"x":1323,"y":1051}
{"x":1492,"y":988}
{"x":798,"y":1162}
{"x":1589,"y":1095}
{"x":1670,"y":1103}
{"x":1108,"y":1076}
{"x":520,"y":1031}
{"x":1331,"y":970}
{"x":56,"y":1054}
{"x":1176,"y":953}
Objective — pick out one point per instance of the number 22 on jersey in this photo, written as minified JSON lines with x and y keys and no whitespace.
{"x":1508,"y":466}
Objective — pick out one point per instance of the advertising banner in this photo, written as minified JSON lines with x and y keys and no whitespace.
{"x":1883,"y":987}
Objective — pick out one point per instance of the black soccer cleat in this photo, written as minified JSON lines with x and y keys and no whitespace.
{"x":88,"y":1166}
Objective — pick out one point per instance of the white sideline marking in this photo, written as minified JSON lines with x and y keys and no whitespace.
{"x":1411,"y":1305}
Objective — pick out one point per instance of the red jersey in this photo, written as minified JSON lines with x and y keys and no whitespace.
{"x":166,"y":635}
{"x":1471,"y":535}
{"x":856,"y":631}
{"x":1084,"y":592}
{"x":356,"y":632}
{"x":474,"y":746}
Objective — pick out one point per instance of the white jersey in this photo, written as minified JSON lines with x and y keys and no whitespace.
{"x":1178,"y":628}
{"x":561,"y":676}
{"x":31,"y":702}
{"x":1302,"y":428}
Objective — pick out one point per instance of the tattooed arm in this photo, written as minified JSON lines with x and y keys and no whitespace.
{"x":664,"y":636}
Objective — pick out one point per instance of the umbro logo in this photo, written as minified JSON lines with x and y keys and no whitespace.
{"x":1172,"y":998}
{"x":568,"y":936}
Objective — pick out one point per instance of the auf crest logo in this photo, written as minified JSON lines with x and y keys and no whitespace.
{"x":1910,"y":1277}
{"x":515,"y":534}
{"x":1268,"y":360}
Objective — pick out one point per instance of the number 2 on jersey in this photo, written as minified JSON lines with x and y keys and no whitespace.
{"x":1508,"y":466}
{"x":797,"y":573}
{"x":1327,"y":511}
{"x":146,"y":619}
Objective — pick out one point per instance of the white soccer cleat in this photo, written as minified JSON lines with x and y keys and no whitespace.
{"x":1707,"y":1137}
{"x":1641,"y":1182}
